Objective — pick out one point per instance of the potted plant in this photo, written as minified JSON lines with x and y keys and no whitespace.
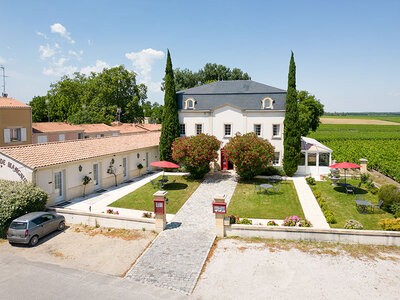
{"x":139,"y":166}
{"x":85,"y":181}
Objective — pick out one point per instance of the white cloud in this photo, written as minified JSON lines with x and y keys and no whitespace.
{"x":61,"y":30}
{"x":90,"y":43}
{"x":58,"y":68}
{"x":2,"y":60}
{"x":46,"y":51}
{"x":142,"y":61}
{"x":41,"y":34}
{"x":75,"y":54}
{"x":100,"y":65}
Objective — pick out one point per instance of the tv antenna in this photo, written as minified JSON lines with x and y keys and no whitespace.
{"x":4,"y":94}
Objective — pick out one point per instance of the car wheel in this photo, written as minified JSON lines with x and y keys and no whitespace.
{"x":61,"y":226}
{"x":34,"y":240}
{"x":12,"y":244}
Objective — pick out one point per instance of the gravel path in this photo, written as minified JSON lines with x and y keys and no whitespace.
{"x":246,"y":270}
{"x":177,"y":255}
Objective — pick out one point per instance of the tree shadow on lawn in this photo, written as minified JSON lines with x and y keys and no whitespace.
{"x":175,"y":186}
{"x":357,"y":190}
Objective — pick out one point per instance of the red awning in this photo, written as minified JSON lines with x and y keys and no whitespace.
{"x":164,"y":164}
{"x":345,"y":165}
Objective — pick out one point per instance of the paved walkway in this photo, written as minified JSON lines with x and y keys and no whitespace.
{"x":311,"y":209}
{"x":177,"y":255}
{"x":100,"y":201}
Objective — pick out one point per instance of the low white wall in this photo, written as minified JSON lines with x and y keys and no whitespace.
{"x":105,"y":220}
{"x":347,"y":236}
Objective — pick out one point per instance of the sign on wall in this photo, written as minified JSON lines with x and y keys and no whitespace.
{"x":7,"y":166}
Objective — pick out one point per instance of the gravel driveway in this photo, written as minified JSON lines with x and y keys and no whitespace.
{"x":253,"y":270}
{"x":107,"y":251}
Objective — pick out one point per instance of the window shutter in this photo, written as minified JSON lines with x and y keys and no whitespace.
{"x":23,"y":134}
{"x":6,"y":135}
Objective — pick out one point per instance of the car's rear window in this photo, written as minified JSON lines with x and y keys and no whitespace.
{"x":18,"y":225}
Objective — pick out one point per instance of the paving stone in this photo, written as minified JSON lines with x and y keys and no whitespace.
{"x":177,"y":255}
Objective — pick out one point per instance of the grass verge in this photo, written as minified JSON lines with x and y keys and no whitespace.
{"x":248,"y":203}
{"x":344,"y":205}
{"x":142,"y":198}
{"x":358,"y":251}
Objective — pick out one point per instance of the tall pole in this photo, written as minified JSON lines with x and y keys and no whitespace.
{"x":4,"y":81}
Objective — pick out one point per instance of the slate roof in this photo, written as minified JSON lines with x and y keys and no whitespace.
{"x":10,"y":102}
{"x":37,"y":155}
{"x":246,"y":94}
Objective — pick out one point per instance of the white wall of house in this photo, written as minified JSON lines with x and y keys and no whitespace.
{"x":13,"y":170}
{"x":73,"y":173}
{"x":242,"y":121}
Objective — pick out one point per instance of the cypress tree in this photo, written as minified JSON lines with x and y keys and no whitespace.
{"x":292,"y":135}
{"x":170,"y":123}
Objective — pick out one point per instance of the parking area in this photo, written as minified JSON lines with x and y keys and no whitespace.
{"x":103,"y":250}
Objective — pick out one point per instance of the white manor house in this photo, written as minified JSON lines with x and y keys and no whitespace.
{"x":224,"y":108}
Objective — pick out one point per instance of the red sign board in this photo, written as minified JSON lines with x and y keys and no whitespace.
{"x":219,"y":208}
{"x":159,"y":206}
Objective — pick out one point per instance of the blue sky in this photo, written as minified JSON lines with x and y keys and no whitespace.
{"x":346,"y":52}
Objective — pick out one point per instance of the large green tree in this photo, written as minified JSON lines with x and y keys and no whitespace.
{"x":101,"y":93}
{"x":310,"y":110}
{"x":185,"y":79}
{"x":39,"y":109}
{"x":292,"y":134}
{"x":170,"y":122}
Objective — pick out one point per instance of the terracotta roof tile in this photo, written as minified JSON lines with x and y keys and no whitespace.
{"x":151,"y":127}
{"x":54,"y":127}
{"x":129,"y":128}
{"x":48,"y":154}
{"x":91,"y":128}
{"x":10,"y":102}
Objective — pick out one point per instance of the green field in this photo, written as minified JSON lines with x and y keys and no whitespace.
{"x":389,"y":118}
{"x":380,"y":144}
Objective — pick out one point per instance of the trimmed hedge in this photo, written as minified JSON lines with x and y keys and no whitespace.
{"x":17,"y":199}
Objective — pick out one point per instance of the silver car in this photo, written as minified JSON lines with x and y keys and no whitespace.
{"x":29,"y":228}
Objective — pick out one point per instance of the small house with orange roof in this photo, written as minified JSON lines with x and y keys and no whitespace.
{"x":15,"y":122}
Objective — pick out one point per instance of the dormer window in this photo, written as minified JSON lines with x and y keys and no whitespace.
{"x":267,"y":103}
{"x":190,"y":103}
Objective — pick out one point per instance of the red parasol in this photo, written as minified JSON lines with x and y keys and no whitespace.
{"x":345,"y":165}
{"x":164,"y":164}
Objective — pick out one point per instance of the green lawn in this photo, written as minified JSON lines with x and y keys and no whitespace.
{"x":142,"y":198}
{"x":248,"y":203}
{"x":344,"y":205}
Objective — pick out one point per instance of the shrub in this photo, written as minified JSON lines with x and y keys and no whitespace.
{"x":112,"y":212}
{"x":249,"y":153}
{"x":270,"y":171}
{"x":233,"y":219}
{"x":147,"y":215}
{"x":353,"y":224}
{"x":245,"y":221}
{"x":330,"y":216}
{"x":310,"y":180}
{"x":305,"y":223}
{"x":390,"y":224}
{"x":395,"y":209}
{"x":291,"y":221}
{"x":17,"y":199}
{"x":389,"y":194}
{"x":272,"y":223}
{"x":365,"y":177}
{"x":296,"y":221}
{"x":196,"y":153}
